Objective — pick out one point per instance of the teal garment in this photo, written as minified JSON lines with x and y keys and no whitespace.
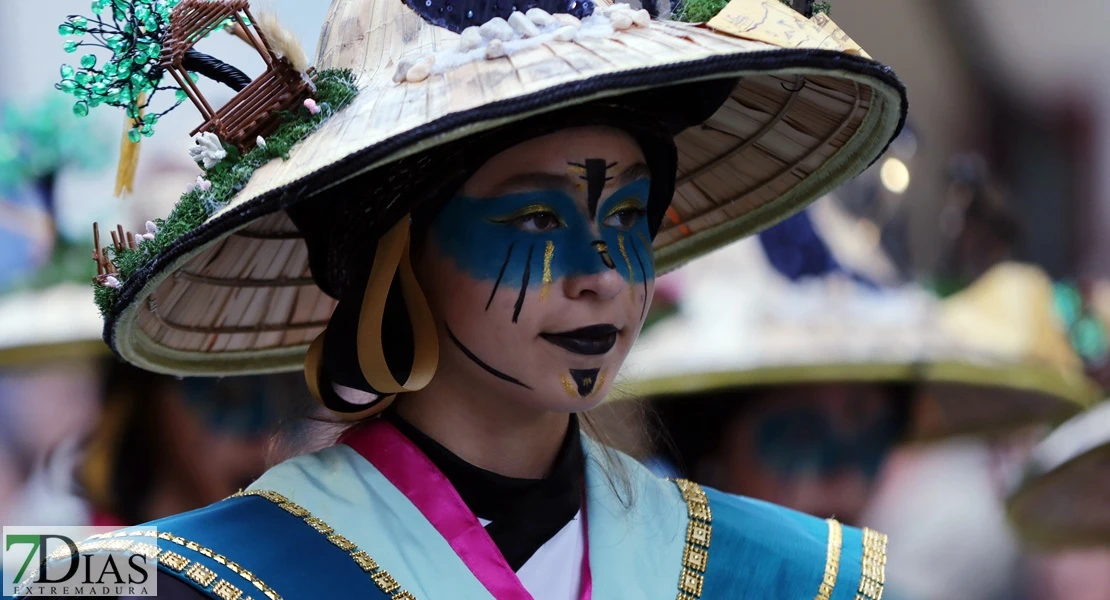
{"x":329,"y":524}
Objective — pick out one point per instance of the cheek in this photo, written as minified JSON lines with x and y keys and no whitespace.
{"x":632,"y":254}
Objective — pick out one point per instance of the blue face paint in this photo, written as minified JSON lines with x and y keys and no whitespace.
{"x":803,"y":440}
{"x":489,"y":239}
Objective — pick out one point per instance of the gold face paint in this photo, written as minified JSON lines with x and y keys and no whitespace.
{"x":569,"y":386}
{"x":600,"y":384}
{"x":548,"y":253}
{"x":628,"y":262}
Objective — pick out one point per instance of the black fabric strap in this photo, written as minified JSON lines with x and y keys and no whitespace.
{"x":523,"y":513}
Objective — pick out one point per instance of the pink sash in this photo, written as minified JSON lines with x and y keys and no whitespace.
{"x":411,"y":472}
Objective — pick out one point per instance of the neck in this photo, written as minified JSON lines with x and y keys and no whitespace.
{"x":489,"y":432}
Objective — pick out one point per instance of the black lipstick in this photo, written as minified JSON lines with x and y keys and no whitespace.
{"x":591,"y":340}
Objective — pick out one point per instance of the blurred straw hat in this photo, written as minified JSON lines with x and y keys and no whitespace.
{"x":55,"y":323}
{"x":1063,"y":496}
{"x":60,"y":321}
{"x":807,"y":110}
{"x":982,"y":366}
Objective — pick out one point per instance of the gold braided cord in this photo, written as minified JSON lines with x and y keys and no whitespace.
{"x":873,"y":570}
{"x":832,"y":561}
{"x":381,"y":578}
{"x":699,"y":532}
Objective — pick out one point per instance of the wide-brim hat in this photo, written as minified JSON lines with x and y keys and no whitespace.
{"x":810,"y":109}
{"x":1062,"y":496}
{"x":48,"y":324}
{"x":743,"y":325}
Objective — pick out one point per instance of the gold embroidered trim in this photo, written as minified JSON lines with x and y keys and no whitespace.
{"x":832,"y":561}
{"x":225,"y":591}
{"x":378,"y":575}
{"x":873,"y":570}
{"x":204,"y":576}
{"x":699,"y":532}
{"x":201,"y":574}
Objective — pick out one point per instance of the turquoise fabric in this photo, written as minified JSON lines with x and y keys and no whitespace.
{"x":636,"y":524}
{"x":761,"y":550}
{"x":636,"y":536}
{"x":276,"y":547}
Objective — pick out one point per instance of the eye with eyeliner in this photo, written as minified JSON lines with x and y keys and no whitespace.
{"x":625,"y":213}
{"x":533,"y":218}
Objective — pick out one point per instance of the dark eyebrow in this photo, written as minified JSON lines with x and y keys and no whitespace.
{"x":531,"y":182}
{"x":636,"y":171}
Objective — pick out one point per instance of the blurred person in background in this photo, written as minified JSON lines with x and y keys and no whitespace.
{"x":86,"y":438}
{"x":166,"y":445}
{"x":1059,"y":503}
{"x":803,"y":380}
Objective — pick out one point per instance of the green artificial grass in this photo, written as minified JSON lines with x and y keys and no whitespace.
{"x":335,"y":88}
{"x":700,"y":11}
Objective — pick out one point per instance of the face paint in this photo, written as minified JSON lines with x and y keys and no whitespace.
{"x":595,"y":172}
{"x":483,"y":236}
{"x":481,"y":363}
{"x":583,"y":382}
{"x":498,"y":245}
{"x":804,"y":440}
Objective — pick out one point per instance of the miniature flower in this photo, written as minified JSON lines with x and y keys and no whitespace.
{"x":151,"y":228}
{"x":311,"y":105}
{"x":202,"y":184}
{"x":260,"y":142}
{"x":111,"y":282}
{"x":207,"y":150}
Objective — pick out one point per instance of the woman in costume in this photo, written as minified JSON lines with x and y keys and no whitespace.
{"x":489,"y":211}
{"x":804,"y":379}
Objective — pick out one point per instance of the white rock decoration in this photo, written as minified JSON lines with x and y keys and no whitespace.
{"x":403,"y":67}
{"x":471,"y":38}
{"x":495,"y":49}
{"x":420,"y":71}
{"x":568,"y":20}
{"x":523,"y":25}
{"x":566,"y":33}
{"x":540,"y":17}
{"x":620,"y":20}
{"x":497,"y":29}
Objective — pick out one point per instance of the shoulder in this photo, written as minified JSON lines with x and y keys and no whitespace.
{"x":766,"y":550}
{"x":260,"y":544}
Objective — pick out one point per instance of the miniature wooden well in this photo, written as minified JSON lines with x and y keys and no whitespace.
{"x":253,"y":111}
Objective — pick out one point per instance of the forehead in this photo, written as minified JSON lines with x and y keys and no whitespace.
{"x":557,"y":154}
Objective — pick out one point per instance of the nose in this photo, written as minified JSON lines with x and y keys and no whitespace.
{"x":605,"y":284}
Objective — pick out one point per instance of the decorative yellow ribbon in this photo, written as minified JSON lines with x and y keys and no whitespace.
{"x":391,"y":258}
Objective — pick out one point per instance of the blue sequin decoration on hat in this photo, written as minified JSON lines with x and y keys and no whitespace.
{"x":457,"y":15}
{"x":796,"y":250}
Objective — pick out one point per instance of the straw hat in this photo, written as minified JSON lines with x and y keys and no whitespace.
{"x":810,"y":110}
{"x":1061,"y":500}
{"x":741,"y":324}
{"x":54,"y":323}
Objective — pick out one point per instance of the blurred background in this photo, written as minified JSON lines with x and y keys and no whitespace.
{"x":1006,"y":157}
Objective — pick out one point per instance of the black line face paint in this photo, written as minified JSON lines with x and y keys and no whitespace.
{"x":643,"y":277}
{"x":501,"y":274}
{"x":481,"y":363}
{"x":524,"y":283}
{"x":585,"y":380}
{"x":603,"y":251}
{"x":596,"y":176}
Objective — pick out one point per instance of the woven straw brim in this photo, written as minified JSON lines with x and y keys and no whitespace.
{"x":235,"y":295}
{"x":1062,"y":500}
